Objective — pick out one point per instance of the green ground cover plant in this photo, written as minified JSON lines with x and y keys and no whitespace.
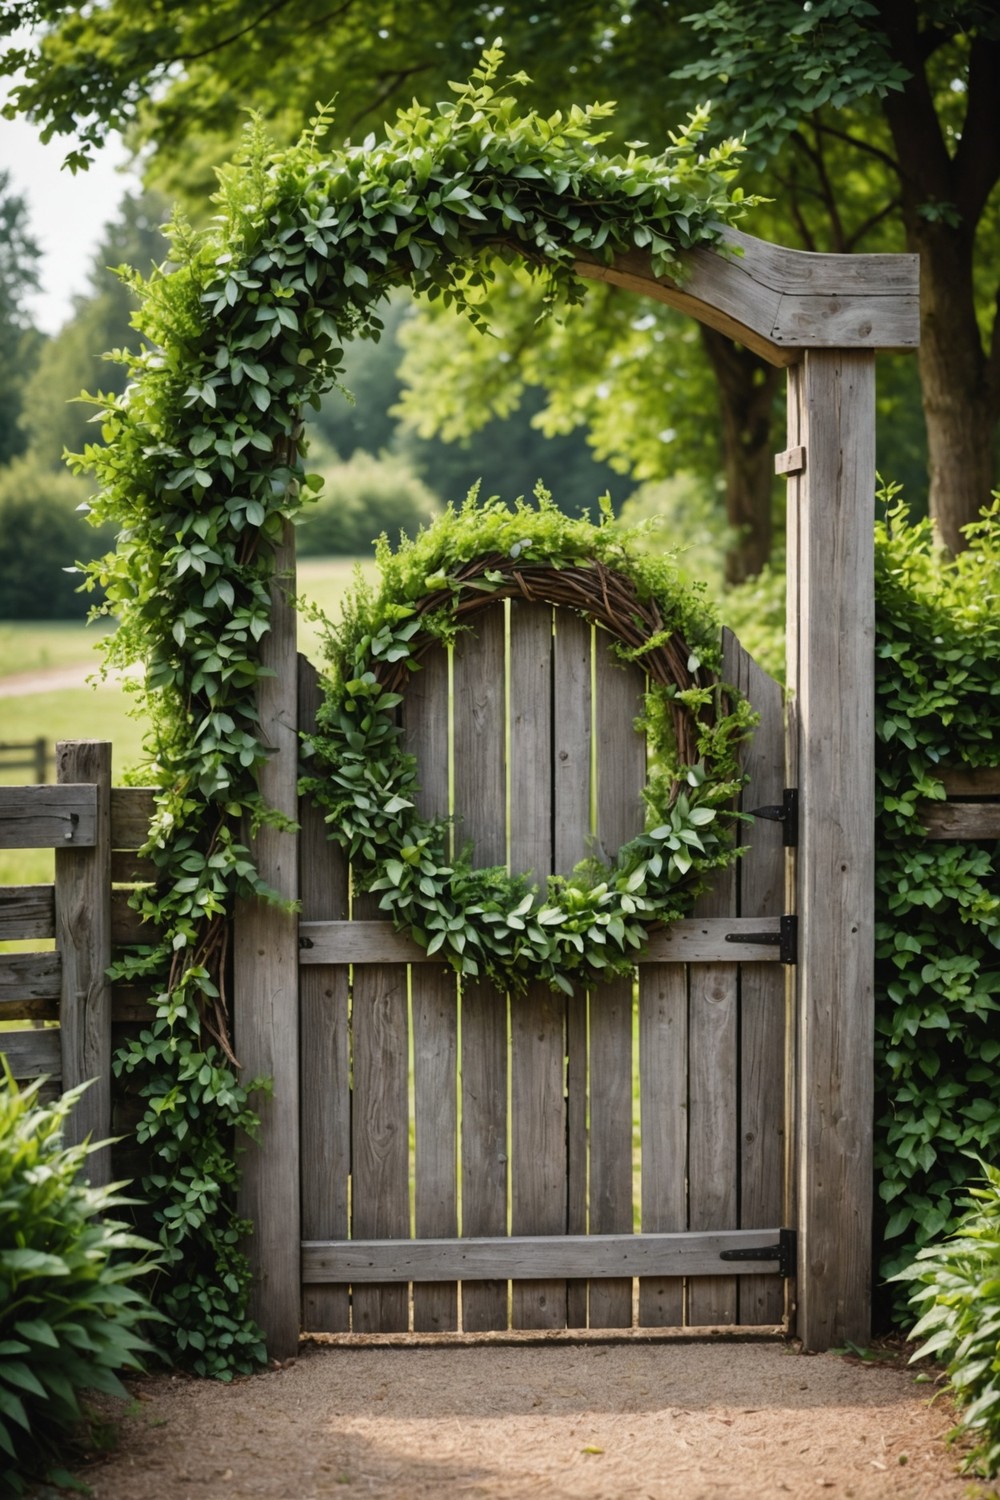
{"x":72,"y":1309}
{"x":937,"y":903}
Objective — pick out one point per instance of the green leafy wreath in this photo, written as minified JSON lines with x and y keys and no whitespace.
{"x":486,"y":922}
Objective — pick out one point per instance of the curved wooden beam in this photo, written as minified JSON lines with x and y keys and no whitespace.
{"x":780,"y":302}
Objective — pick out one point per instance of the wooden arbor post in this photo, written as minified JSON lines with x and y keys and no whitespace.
{"x":823,"y":316}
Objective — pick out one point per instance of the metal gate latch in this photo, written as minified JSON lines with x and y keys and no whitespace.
{"x":783,"y":1252}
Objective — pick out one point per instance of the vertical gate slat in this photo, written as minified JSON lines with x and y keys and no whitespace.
{"x":713,"y":1118}
{"x":621,"y":766}
{"x":663,"y":1048}
{"x":433,"y":999}
{"x":538,"y":1125}
{"x":325,"y":1049}
{"x":762,"y":992}
{"x":571,"y":782}
{"x":481,"y":802}
{"x":380,"y":1128}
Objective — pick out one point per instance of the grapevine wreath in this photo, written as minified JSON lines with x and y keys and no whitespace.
{"x":489,"y":923}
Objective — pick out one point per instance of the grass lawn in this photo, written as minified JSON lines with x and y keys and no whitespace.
{"x":35,"y":645}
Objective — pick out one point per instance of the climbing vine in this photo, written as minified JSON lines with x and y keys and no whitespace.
{"x":489,"y":923}
{"x":200,"y":470}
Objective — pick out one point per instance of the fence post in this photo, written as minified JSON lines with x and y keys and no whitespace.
{"x":41,"y":760}
{"x":83,"y":940}
{"x":266,"y":996}
{"x":832,"y":665}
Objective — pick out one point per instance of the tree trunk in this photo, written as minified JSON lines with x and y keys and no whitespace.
{"x":747,"y":387}
{"x":959,"y":388}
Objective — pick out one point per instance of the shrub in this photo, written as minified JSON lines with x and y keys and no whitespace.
{"x":360,"y":499}
{"x":937,"y":934}
{"x":957,"y":1294}
{"x":69,"y":1309}
{"x":41,"y":535}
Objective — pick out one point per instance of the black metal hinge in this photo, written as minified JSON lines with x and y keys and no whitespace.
{"x":786,"y":939}
{"x":785,"y":812}
{"x":783,"y":1252}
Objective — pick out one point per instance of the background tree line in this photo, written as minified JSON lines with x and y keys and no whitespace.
{"x":871,"y":125}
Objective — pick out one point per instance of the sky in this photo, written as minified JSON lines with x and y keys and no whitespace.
{"x":67,"y":214}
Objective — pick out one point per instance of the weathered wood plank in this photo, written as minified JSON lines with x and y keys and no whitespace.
{"x":970,"y":781}
{"x":621,"y":774}
{"x":832,"y":578}
{"x":132,"y":807}
{"x":30,"y":976}
{"x":380,"y":1197}
{"x":663,"y":1049}
{"x":534,"y":1256}
{"x":777,"y":301}
{"x":975,"y":822}
{"x":47,"y":817}
{"x":83,"y":938}
{"x":32,"y":1054}
{"x":713,"y":1121}
{"x":130,"y":868}
{"x":691,"y":940}
{"x":266,"y":991}
{"x":325,"y":1057}
{"x":435,"y":1090}
{"x":537,"y":1018}
{"x":27,"y":911}
{"x":480,"y":781}
{"x":571,"y":789}
{"x":484,"y":1143}
{"x":127,"y":925}
{"x":761,"y":874}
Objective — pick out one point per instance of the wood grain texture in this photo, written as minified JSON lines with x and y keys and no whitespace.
{"x":480,"y":785}
{"x":970,"y":781}
{"x":484,"y":1144}
{"x":612,"y":1255}
{"x":621,"y":775}
{"x":762,"y":1091}
{"x":33,"y":1054}
{"x":435,"y":1090}
{"x":83,"y":939}
{"x":537,"y":1018}
{"x":27,"y":911}
{"x":691,"y":940}
{"x":48,"y":817}
{"x":31,"y":976}
{"x":975,"y":822}
{"x":778,"y":301}
{"x":132,"y":807}
{"x":266,"y":1001}
{"x":380,"y":1198}
{"x":663,"y":1108}
{"x":713,"y":1118}
{"x":832,"y":578}
{"x":325,"y":1056}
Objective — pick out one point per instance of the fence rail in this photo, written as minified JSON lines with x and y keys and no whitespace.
{"x":58,"y":1008}
{"x":27,"y":755}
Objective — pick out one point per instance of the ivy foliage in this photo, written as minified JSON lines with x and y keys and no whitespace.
{"x":201,"y":469}
{"x":938,"y":903}
{"x":489,"y":923}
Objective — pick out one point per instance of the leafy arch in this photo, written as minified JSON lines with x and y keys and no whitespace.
{"x":202,"y":468}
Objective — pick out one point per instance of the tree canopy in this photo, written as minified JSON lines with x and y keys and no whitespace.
{"x":873,"y":124}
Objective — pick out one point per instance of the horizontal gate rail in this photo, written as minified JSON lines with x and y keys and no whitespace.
{"x":692,"y":940}
{"x":533,"y":1257}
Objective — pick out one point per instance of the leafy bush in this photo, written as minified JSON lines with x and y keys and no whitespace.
{"x":937,"y":929}
{"x":41,"y":535}
{"x":359,"y":501}
{"x":69,"y":1309}
{"x":957,"y":1295}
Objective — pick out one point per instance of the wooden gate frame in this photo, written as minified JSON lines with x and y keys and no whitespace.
{"x":823,"y":317}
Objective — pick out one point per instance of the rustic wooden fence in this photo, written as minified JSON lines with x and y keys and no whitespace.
{"x":59,"y":1010}
{"x":27,"y":755}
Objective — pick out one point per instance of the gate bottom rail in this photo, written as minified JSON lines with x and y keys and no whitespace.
{"x":531,"y":1257}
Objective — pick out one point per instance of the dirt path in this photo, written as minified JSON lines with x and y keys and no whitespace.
{"x":670,"y":1419}
{"x":53,"y":679}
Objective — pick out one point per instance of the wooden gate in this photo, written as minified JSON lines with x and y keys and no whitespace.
{"x":478,"y":1161}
